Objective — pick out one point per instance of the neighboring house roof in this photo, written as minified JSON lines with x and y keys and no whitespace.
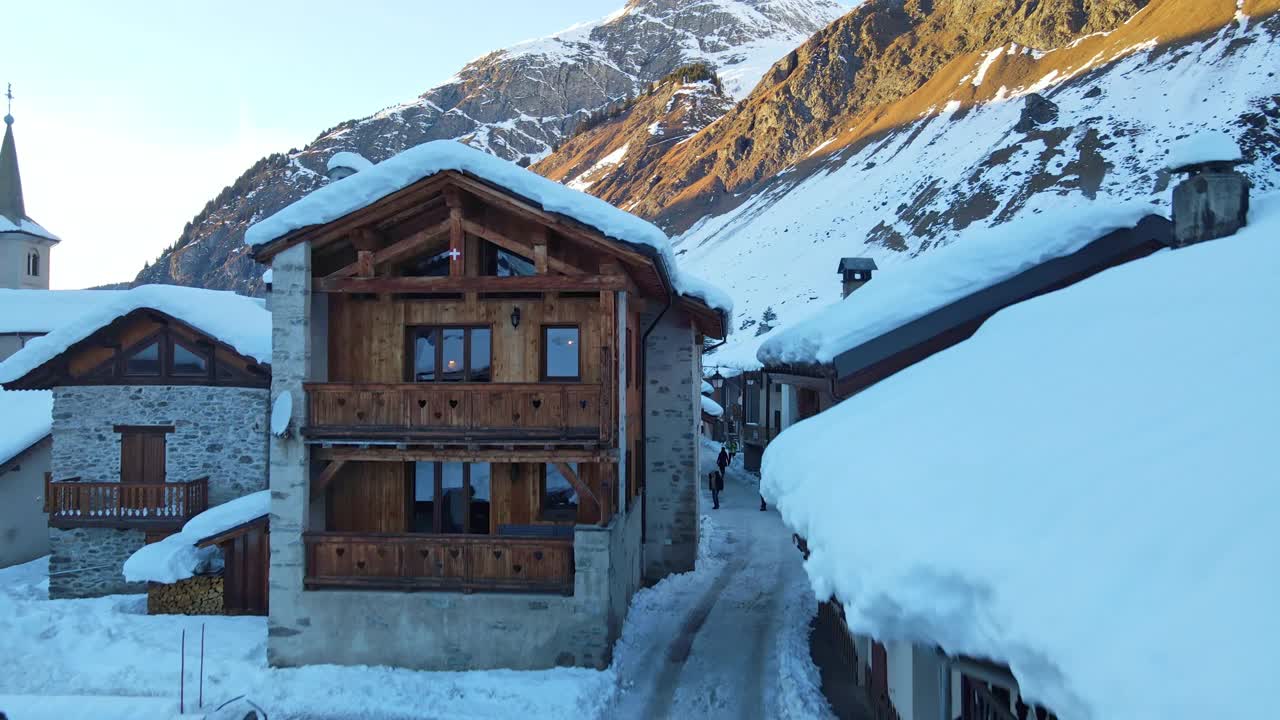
{"x":856,"y":263}
{"x":398,"y":172}
{"x":180,"y":555}
{"x":348,"y":159}
{"x":13,"y":210}
{"x":242,"y":323}
{"x":976,"y":261}
{"x":711,"y":407}
{"x":1085,"y":485}
{"x":26,"y":418}
{"x":41,"y":311}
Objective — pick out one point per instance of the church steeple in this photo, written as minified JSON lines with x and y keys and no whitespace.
{"x":11,"y":205}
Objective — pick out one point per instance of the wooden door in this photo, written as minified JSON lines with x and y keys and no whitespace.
{"x":142,"y":456}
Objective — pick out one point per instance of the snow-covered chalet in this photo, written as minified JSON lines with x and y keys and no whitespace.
{"x":485,"y":416}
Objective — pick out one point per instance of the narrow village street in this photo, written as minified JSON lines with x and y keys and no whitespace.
{"x":728,"y":640}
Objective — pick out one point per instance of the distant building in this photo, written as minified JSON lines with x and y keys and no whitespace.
{"x":24,"y":245}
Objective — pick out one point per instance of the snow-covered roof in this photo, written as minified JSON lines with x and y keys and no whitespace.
{"x":707,"y":388}
{"x":1203,"y":147}
{"x":26,"y":418}
{"x":177,"y":557}
{"x":266,"y":277}
{"x":348,"y":159}
{"x":241,"y":322}
{"x":28,"y":226}
{"x":711,"y":407}
{"x":976,"y":260}
{"x":40,"y":311}
{"x":351,"y":193}
{"x":1083,"y":490}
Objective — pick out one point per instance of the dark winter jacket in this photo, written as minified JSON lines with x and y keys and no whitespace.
{"x":717,"y":481}
{"x":723,"y":459}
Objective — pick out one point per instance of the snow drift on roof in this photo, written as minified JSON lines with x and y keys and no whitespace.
{"x":1084,"y":489}
{"x":978,"y":259}
{"x":707,"y":388}
{"x":353,"y":192}
{"x":348,"y":159}
{"x":177,"y":557}
{"x":1203,"y":147}
{"x":28,"y":226}
{"x":41,"y":311}
{"x":26,"y":417}
{"x":711,"y":407}
{"x":239,"y":321}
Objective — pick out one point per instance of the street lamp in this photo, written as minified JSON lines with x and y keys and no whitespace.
{"x":717,"y":380}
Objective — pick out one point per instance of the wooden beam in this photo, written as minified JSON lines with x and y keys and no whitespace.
{"x":533,"y":283}
{"x":364,"y":239}
{"x":456,"y":234}
{"x":364,"y":263}
{"x":510,"y":245}
{"x":396,"y":251}
{"x":502,"y":455}
{"x":540,"y":258}
{"x":326,"y":476}
{"x":581,"y":487}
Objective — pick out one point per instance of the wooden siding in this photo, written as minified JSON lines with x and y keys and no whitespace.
{"x":112,"y":504}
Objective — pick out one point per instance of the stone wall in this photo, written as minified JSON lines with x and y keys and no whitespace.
{"x":199,"y":595}
{"x":673,"y":377}
{"x":89,"y":562}
{"x":218,"y":431}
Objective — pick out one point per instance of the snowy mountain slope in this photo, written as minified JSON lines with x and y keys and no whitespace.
{"x":894,"y":189}
{"x":517,"y":103}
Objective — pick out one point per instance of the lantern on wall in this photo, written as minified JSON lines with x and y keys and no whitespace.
{"x":515,"y":317}
{"x":717,"y":380}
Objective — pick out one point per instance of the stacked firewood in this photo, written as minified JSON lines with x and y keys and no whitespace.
{"x":200,"y":595}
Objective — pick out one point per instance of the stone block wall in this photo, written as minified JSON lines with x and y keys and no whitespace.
{"x":673,"y":377}
{"x":89,"y":562}
{"x":199,"y":595}
{"x":220,"y":432}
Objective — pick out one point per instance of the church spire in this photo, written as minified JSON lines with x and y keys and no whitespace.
{"x":11,"y":205}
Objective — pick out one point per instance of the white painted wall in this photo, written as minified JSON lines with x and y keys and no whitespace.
{"x":14,"y":248}
{"x":24,"y":532}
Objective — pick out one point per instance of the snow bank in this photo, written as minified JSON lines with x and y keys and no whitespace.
{"x":978,"y":259}
{"x":40,"y":311}
{"x":1203,"y":147}
{"x":1085,"y":489}
{"x":239,"y":321}
{"x":347,"y":159}
{"x":177,"y":557}
{"x":400,"y":171}
{"x":28,"y":226}
{"x":26,"y":417}
{"x":711,"y":407}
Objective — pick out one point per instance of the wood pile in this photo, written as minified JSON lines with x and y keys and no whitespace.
{"x":200,"y":595}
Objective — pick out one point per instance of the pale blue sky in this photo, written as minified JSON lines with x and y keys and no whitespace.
{"x":131,"y":115}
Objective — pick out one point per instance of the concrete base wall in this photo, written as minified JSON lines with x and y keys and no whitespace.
{"x":673,"y":377}
{"x":89,"y":562}
{"x":457,"y":631}
{"x":24,"y":528}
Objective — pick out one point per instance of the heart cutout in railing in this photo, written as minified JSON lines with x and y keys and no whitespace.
{"x":382,"y":552}
{"x":439,"y":414}
{"x":424,"y":553}
{"x":537,"y":554}
{"x":342,"y":402}
{"x":359,"y":414}
{"x":341,"y":551}
{"x":422,"y":403}
{"x":453,"y":402}
{"x":537,"y":403}
{"x":517,"y":568}
{"x":453,"y":553}
{"x":515,"y":416}
{"x":497,"y":554}
{"x":360,"y":564}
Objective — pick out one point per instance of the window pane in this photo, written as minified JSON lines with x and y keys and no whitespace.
{"x":424,"y":356}
{"x":186,"y":362}
{"x":559,"y":497}
{"x":452,"y":369}
{"x":430,"y":266}
{"x":480,"y":502}
{"x":454,"y":498}
{"x":424,"y":495}
{"x":512,"y":265}
{"x":144,"y":362}
{"x":562,"y":352}
{"x":480,"y":352}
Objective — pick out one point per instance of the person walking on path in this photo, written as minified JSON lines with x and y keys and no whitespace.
{"x":717,"y":484}
{"x":722,"y":460}
{"x":732,"y":447}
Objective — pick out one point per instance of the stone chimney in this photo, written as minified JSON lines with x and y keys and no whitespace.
{"x":854,"y":273}
{"x":345,"y":163}
{"x":266,"y":287}
{"x":1213,"y":201}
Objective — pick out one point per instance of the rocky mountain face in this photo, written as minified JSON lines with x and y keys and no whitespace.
{"x":518,"y":103}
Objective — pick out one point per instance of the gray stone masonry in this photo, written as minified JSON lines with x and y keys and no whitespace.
{"x":218,"y":431}
{"x":673,"y":375}
{"x":87,"y":562}
{"x":1213,"y":203}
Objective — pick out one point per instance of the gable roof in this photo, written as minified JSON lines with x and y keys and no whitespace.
{"x":398,"y":172}
{"x":240,"y":322}
{"x":856,"y":263}
{"x":13,"y":210}
{"x":26,"y":418}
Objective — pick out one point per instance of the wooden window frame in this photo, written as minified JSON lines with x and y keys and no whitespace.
{"x":558,"y":516}
{"x":171,"y":348}
{"x":542,"y":353}
{"x":158,"y":339}
{"x":411,"y":354}
{"x":437,"y":505}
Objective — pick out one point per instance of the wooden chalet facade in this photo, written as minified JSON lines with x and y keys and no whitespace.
{"x":470,"y":374}
{"x":155,"y":420}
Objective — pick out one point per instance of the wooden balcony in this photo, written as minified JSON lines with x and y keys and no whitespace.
{"x":474,"y":413}
{"x":465,"y":563}
{"x":160,"y":506}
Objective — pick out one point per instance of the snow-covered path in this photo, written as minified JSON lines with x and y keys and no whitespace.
{"x":728,"y":640}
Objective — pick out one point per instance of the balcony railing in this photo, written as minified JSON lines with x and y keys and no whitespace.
{"x":71,"y":503}
{"x":466,"y":563}
{"x":471,"y":412}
